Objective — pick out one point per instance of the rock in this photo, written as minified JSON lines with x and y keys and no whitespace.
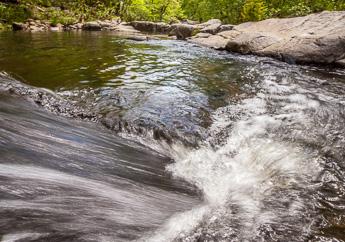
{"x":191,"y":22}
{"x":137,"y":37}
{"x":92,"y":26}
{"x":341,"y":62}
{"x":209,"y":23}
{"x":211,"y":29}
{"x":124,"y":27}
{"x":247,"y":43}
{"x":226,"y":27}
{"x":104,"y":24}
{"x":58,"y":27}
{"x":202,"y":35}
{"x":79,"y":25}
{"x":151,"y":27}
{"x":34,"y":28}
{"x":183,"y":31}
{"x":213,"y":41}
{"x":316,"y":38}
{"x":19,"y":26}
{"x":212,"y":26}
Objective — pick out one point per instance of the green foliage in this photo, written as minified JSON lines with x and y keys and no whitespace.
{"x":13,"y":13}
{"x":202,"y":10}
{"x":254,"y":10}
{"x":236,"y":11}
{"x":229,"y":11}
{"x":61,"y":17}
{"x":152,"y":10}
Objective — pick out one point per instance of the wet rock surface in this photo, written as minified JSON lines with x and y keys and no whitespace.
{"x":44,"y":98}
{"x":92,"y":26}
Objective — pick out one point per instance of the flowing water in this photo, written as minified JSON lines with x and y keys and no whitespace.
{"x":107,"y":139}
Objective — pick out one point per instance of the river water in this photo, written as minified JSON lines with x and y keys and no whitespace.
{"x":107,"y":139}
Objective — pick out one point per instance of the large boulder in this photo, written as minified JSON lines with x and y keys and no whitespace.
{"x":92,"y":26}
{"x":151,"y":27}
{"x":213,"y":41}
{"x":184,"y":31}
{"x":212,"y":26}
{"x":316,"y":38}
{"x":211,"y":29}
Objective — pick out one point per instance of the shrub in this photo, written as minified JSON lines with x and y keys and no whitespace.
{"x":254,"y":10}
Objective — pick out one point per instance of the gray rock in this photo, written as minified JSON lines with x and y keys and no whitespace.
{"x":124,"y":27}
{"x":213,"y":41}
{"x":191,"y":22}
{"x":211,"y":29}
{"x":316,"y":38}
{"x":137,"y":37}
{"x":92,"y":26}
{"x":34,"y":28}
{"x":226,"y":27}
{"x":183,"y":31}
{"x":202,"y":35}
{"x":151,"y":27}
{"x":210,"y":22}
{"x":104,"y":24}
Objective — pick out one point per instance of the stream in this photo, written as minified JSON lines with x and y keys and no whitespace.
{"x":108,"y":139}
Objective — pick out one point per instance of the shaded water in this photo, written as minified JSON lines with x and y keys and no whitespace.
{"x":268,"y":138}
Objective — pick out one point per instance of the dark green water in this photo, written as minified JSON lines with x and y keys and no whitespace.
{"x":96,"y":59}
{"x":164,"y":83}
{"x":235,"y":148}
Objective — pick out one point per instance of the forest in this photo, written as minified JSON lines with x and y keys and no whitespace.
{"x":229,"y":11}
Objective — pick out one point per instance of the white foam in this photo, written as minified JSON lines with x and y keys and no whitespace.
{"x":252,"y":162}
{"x":20,"y":236}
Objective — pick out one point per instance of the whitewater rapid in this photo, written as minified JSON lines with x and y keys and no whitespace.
{"x":260,"y":180}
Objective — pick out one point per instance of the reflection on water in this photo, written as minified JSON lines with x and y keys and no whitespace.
{"x":163,"y":85}
{"x":67,"y":60}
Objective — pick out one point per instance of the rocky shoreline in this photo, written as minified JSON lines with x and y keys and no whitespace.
{"x":314,"y":39}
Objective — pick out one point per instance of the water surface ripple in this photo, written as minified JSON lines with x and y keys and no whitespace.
{"x":235,"y":148}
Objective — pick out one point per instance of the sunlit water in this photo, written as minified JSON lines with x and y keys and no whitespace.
{"x":233,"y":148}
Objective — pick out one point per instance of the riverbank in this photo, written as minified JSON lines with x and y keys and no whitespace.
{"x":313,"y":39}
